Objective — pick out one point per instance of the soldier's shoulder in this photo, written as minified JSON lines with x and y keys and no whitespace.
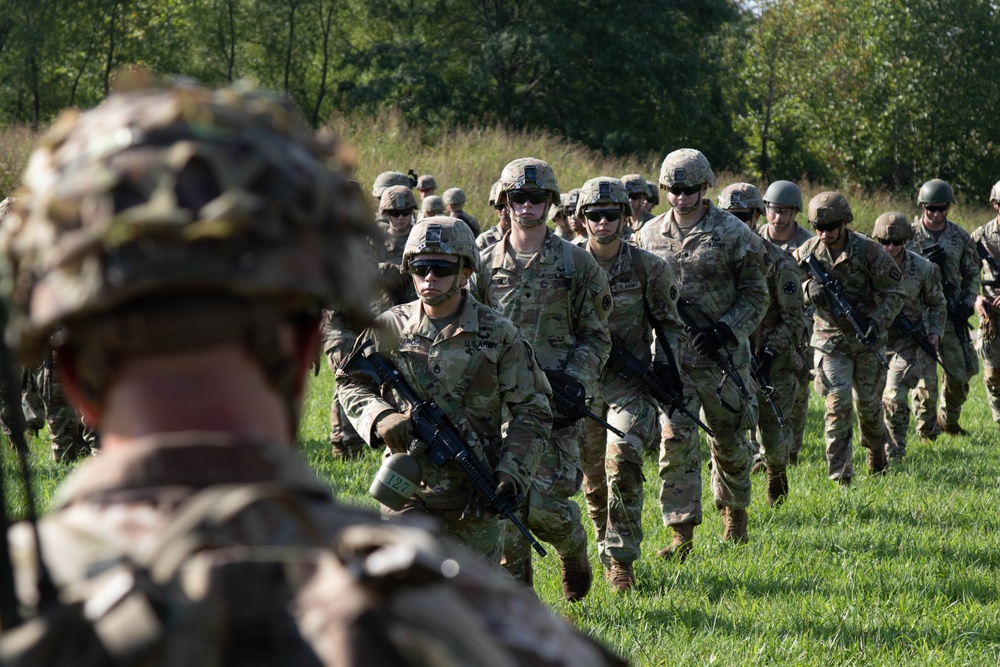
{"x":653,"y":228}
{"x":808,"y":246}
{"x":959,"y":231}
{"x":493,"y":320}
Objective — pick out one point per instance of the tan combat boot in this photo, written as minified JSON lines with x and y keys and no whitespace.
{"x":576,"y":577}
{"x":620,"y":576}
{"x":682,"y":543}
{"x":777,"y":487}
{"x":736,"y":526}
{"x":877,"y":463}
{"x":349,"y":452}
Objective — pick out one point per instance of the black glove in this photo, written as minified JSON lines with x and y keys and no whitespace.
{"x":871,"y":335}
{"x":506,"y":486}
{"x":764,"y":362}
{"x":708,"y":340}
{"x":964,"y":312}
{"x":565,"y":384}
{"x":935,"y":253}
{"x":817,"y":294}
{"x":396,"y":430}
{"x":667,"y":374}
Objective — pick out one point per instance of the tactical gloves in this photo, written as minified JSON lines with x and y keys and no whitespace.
{"x":708,"y":340}
{"x":817,"y":294}
{"x":871,"y":335}
{"x":506,"y":486}
{"x":396,"y":430}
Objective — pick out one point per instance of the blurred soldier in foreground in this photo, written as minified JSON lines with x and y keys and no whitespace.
{"x":919,"y":324}
{"x":559,"y":297}
{"x":773,"y":344}
{"x":186,"y":263}
{"x":847,"y":361}
{"x":454,"y":201}
{"x":950,"y":247}
{"x":987,"y":239}
{"x":719,"y":264}
{"x":645,"y":296}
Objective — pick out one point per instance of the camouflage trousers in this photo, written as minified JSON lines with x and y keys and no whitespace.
{"x":800,"y":404}
{"x":342,"y":433}
{"x":989,"y":353}
{"x":906,"y":366}
{"x":549,"y":510}
{"x":480,"y":532}
{"x":731,"y":452}
{"x":962,"y":365}
{"x":775,"y":441}
{"x":612,"y":476}
{"x":850,"y":377}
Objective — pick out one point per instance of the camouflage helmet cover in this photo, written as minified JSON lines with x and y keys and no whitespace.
{"x":180,"y":189}
{"x":444,"y":235}
{"x":528,"y":174}
{"x":454,"y":196}
{"x":603,"y":190}
{"x":995,"y":192}
{"x":398,"y":197}
{"x":432,"y":205}
{"x":741,"y":195}
{"x":635,"y":183}
{"x":387,"y":179}
{"x":572,"y":197}
{"x":494,"y":193}
{"x":686,"y":166}
{"x":784,"y":193}
{"x":827,"y":207}
{"x":935,"y":191}
{"x":892,"y":227}
{"x":426,"y":182}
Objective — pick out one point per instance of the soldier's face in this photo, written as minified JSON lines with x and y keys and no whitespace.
{"x":576,"y":224}
{"x":935,"y":215}
{"x":528,"y":210}
{"x":426,"y":193}
{"x":781,"y":218}
{"x":399,"y":219}
{"x":638,"y":201}
{"x":431,"y":284}
{"x":894,"y":248}
{"x":686,"y":199}
{"x":748,"y":216}
{"x":603,"y":223}
{"x":831,"y":234}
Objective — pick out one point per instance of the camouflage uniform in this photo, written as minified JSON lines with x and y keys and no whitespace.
{"x":337,"y":343}
{"x":396,"y":287}
{"x":720,"y":266}
{"x":961,"y":270}
{"x":844,"y":365}
{"x":489,"y":237}
{"x":988,"y":341}
{"x":561,"y":300}
{"x":470,"y":221}
{"x":479,"y":371}
{"x":923,"y":304}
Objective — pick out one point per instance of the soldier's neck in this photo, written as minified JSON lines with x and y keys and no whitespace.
{"x":604,"y":250}
{"x":774,"y":235}
{"x":527,"y":239}
{"x":446,"y":309}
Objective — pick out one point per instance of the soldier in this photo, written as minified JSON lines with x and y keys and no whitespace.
{"x":774,"y":344}
{"x":950,"y":247}
{"x":338,"y":340}
{"x":454,"y":200}
{"x":559,"y":297}
{"x":924,"y":308}
{"x":988,"y":305}
{"x":426,"y":186}
{"x":496,"y":232}
{"x":784,"y":202}
{"x":475,"y":365}
{"x":388,"y":179}
{"x":637,"y":193}
{"x":396,"y":207}
{"x":199,"y":536}
{"x":645,"y":295}
{"x":577,"y":224}
{"x":845,"y":364}
{"x":431,"y":205}
{"x":720,"y":265}
{"x":559,"y":217}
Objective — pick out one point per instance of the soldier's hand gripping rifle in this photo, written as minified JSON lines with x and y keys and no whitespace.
{"x":722,"y":358}
{"x":432,"y":426}
{"x":841,"y":307}
{"x":628,"y":367}
{"x":570,"y":399}
{"x":984,"y":254}
{"x":760,"y":376}
{"x":958,"y":312}
{"x":905,"y":326}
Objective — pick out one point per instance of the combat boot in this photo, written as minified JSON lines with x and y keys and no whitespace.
{"x":877,"y":463}
{"x":339,"y":450}
{"x":777,"y":487}
{"x":953,"y":429}
{"x":576,"y":576}
{"x":620,"y":576}
{"x":682,"y":543}
{"x":736,"y":526}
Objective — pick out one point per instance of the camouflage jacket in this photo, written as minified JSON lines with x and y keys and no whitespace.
{"x":641,"y":284}
{"x":334,"y":332}
{"x":800,"y":236}
{"x":870,"y":281}
{"x":397,"y":287}
{"x":989,"y":234}
{"x":720,"y":265}
{"x":480,"y":372}
{"x":560,"y":300}
{"x":961,"y":268}
{"x":471,"y":222}
{"x":784,"y":321}
{"x":923,"y":299}
{"x":200,"y":548}
{"x":565,"y":236}
{"x":489,"y":237}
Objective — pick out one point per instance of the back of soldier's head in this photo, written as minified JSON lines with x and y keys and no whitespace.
{"x":176,"y":219}
{"x":431,"y":205}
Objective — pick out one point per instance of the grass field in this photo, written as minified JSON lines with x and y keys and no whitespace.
{"x":901,"y":570}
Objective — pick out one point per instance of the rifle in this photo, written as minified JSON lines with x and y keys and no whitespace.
{"x":766,"y":388}
{"x":841,"y":307}
{"x":936,"y":254}
{"x":431,"y":425}
{"x":723,"y":358}
{"x":570,"y":401}
{"x":627,"y":366}
{"x":991,"y":262}
{"x":906,"y":327}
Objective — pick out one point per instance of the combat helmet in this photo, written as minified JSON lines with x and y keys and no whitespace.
{"x":387,"y":179}
{"x":528,"y":173}
{"x":686,"y":166}
{"x":444,"y":235}
{"x":454,"y":197}
{"x":494,"y":193}
{"x":892,"y":227}
{"x":572,"y":198}
{"x":635,"y":183}
{"x":827,"y":207}
{"x":784,"y":193}
{"x":935,"y":191}
{"x":397,"y":197}
{"x":995,"y":192}
{"x":603,"y":190}
{"x":432,"y":205}
{"x":426,"y":182}
{"x":741,"y":195}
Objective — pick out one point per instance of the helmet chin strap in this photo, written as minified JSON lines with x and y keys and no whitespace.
{"x":528,"y":223}
{"x":456,"y":287}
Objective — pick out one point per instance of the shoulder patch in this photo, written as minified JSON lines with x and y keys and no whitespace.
{"x":789,"y":287}
{"x":895,"y":273}
{"x":767,"y":259}
{"x":673,"y":292}
{"x":606,"y":303}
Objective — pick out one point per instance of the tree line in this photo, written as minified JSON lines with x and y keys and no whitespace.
{"x":876,"y":93}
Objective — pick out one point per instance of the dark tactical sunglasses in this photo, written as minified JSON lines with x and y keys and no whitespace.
{"x":636,"y":195}
{"x":611,"y":215}
{"x":398,"y":212}
{"x":888,"y":242}
{"x":745,"y":216}
{"x":936,"y":208}
{"x":827,"y":226}
{"x":439,"y":267}
{"x":684,"y":189}
{"x":534,"y":196}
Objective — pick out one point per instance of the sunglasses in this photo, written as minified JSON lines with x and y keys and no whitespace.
{"x":609,"y":215}
{"x":888,"y":242}
{"x":684,"y":189}
{"x":439,"y":267}
{"x":745,"y":216}
{"x":940,"y":208}
{"x":397,"y":212}
{"x":534,"y":196}
{"x":826,"y":226}
{"x":636,"y":195}
{"x":779,"y":210}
